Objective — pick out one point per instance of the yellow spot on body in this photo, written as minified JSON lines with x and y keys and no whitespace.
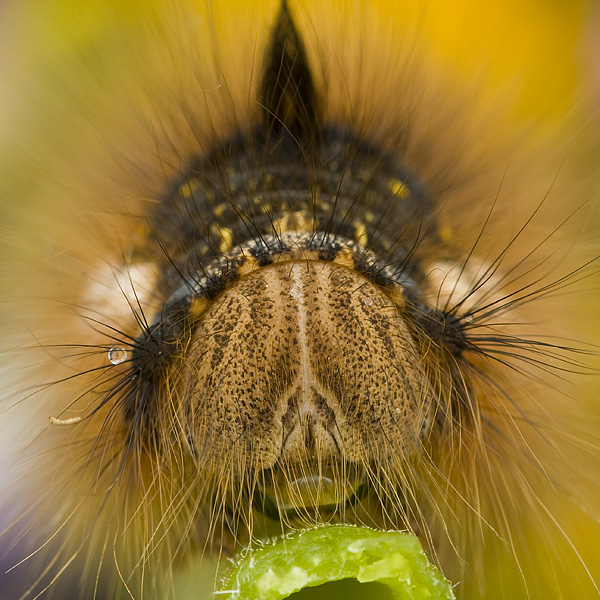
{"x":323,"y":206}
{"x":220,"y":209}
{"x":282,"y":224}
{"x":226,"y":239}
{"x":299,"y":221}
{"x":225,"y":235}
{"x":398,"y":188}
{"x":360,"y":233}
{"x":186,"y":190}
{"x":305,"y":221}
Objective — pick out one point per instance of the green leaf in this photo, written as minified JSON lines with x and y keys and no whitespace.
{"x":317,"y":556}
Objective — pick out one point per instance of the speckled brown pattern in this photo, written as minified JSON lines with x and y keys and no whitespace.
{"x":304,"y":359}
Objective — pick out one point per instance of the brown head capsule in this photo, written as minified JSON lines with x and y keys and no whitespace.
{"x":306,"y":367}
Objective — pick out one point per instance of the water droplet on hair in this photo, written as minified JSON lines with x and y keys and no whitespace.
{"x":368,"y":301}
{"x":117,"y":355}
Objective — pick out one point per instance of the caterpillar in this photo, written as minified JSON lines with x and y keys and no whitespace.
{"x":273,"y":266}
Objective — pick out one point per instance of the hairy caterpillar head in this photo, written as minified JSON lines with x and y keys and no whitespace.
{"x":296,"y":358}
